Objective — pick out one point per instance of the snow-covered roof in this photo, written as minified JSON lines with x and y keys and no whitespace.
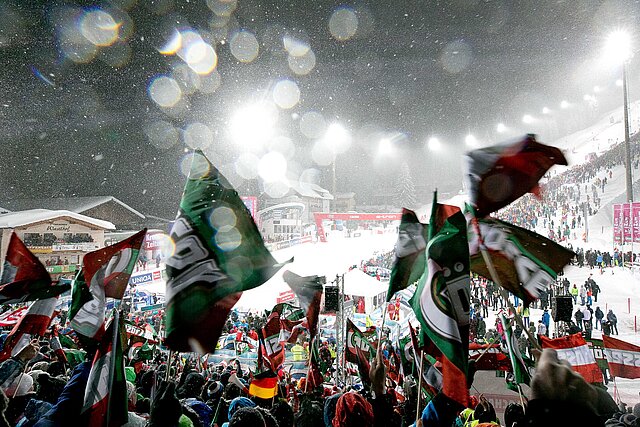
{"x":359,"y":283}
{"x":73,"y":204}
{"x":307,"y":189}
{"x":33,"y":216}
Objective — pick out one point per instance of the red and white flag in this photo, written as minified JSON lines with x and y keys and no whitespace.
{"x":575,"y":350}
{"x":34,"y":323}
{"x":623,"y":358}
{"x":10,"y":318}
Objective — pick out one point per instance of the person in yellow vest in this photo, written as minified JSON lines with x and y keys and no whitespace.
{"x":574,"y":293}
{"x":298,"y":353}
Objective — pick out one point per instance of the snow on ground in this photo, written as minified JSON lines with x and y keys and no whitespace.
{"x":322,"y":259}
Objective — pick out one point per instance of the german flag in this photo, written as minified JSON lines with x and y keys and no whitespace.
{"x":264,"y":385}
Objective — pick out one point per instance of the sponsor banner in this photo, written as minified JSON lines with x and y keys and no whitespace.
{"x":635,"y":221}
{"x":626,"y":223}
{"x":81,"y":247}
{"x":617,"y":223}
{"x":40,"y":249}
{"x":151,"y":276}
{"x":286,"y":296}
{"x":152,"y":307}
{"x":289,"y":243}
{"x":58,"y":269}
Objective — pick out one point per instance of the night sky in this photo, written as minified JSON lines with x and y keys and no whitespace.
{"x":81,"y":113}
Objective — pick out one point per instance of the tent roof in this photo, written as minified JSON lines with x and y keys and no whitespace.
{"x":32,"y":216}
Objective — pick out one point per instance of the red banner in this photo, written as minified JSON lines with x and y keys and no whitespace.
{"x":574,"y":349}
{"x":635,"y":221}
{"x":626,"y":223}
{"x":623,"y":358}
{"x":617,"y":223}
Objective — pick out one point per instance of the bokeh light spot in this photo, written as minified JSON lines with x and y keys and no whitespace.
{"x":161,"y":134}
{"x":312,"y":125}
{"x":173,"y":44}
{"x":165,"y":91}
{"x":302,"y":65}
{"x":222,"y":7}
{"x":198,"y":135}
{"x":295,"y":46}
{"x":223,"y":217}
{"x":99,"y":27}
{"x":228,"y":238}
{"x":286,"y":94}
{"x":244,"y":46}
{"x":247,"y":165}
{"x":343,"y":23}
{"x":276,"y":189}
{"x":201,"y":58}
{"x":456,"y":57}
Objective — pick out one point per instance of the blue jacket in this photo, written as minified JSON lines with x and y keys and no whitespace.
{"x":69,"y":404}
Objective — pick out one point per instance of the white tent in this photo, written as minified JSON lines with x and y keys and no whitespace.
{"x":357,"y":283}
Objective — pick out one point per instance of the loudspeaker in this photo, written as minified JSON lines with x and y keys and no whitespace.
{"x":331,"y":299}
{"x":562,"y":309}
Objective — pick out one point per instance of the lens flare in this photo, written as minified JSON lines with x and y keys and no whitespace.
{"x":312,"y":124}
{"x":244,"y":46}
{"x":99,"y":27}
{"x":302,"y":65}
{"x":343,"y":23}
{"x":198,"y":136}
{"x":165,"y":91}
{"x":173,"y":44}
{"x":286,"y":94}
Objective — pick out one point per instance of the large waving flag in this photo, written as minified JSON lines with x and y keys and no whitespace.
{"x":520,"y":373}
{"x":498,"y":175}
{"x":488,"y":357}
{"x":623,"y":357}
{"x":34,"y":323}
{"x":271,"y":342}
{"x":309,"y":292}
{"x":24,"y":278}
{"x":112,"y":265}
{"x":442,"y":298}
{"x":105,"y":273}
{"x":218,"y":254}
{"x":526,"y":262}
{"x":575,"y":350}
{"x":409,"y":263}
{"x":105,"y":398}
{"x":359,"y":351}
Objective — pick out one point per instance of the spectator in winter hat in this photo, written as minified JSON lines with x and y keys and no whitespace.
{"x":353,"y":410}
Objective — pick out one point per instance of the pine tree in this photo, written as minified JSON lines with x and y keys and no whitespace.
{"x":405,"y":190}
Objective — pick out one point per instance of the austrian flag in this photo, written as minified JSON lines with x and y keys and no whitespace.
{"x":575,"y":350}
{"x":623,"y":358}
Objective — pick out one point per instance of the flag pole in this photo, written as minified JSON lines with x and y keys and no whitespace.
{"x":419,"y":387}
{"x":167,"y":375}
{"x":521,"y":398}
{"x":112,"y":364}
{"x":384,"y":316}
{"x":496,"y":279}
